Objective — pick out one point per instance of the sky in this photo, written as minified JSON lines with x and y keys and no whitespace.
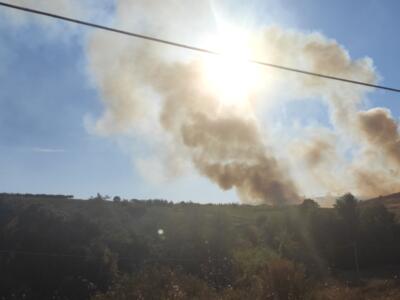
{"x":48,"y":98}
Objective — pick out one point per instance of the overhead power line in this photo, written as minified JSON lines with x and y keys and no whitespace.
{"x":193,"y":48}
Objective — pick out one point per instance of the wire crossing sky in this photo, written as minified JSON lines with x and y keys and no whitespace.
{"x":186,"y":105}
{"x":193,"y":48}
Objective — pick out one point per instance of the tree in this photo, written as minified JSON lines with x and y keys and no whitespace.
{"x":309,"y":204}
{"x":346,"y":208}
{"x":348,"y":231}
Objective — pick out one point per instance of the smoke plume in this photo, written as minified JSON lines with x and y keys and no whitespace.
{"x":151,"y":89}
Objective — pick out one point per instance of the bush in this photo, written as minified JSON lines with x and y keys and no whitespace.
{"x":279,"y":279}
{"x":158,"y":283}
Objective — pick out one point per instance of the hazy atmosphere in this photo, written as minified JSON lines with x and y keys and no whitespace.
{"x":199,"y":150}
{"x":80,"y":106}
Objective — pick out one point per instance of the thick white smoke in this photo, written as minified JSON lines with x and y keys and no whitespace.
{"x":161,"y":95}
{"x":145,"y":86}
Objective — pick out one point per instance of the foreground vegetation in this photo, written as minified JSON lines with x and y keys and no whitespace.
{"x":55,"y":247}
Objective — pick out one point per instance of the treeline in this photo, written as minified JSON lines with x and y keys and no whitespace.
{"x":72,"y":249}
{"x":16,"y":196}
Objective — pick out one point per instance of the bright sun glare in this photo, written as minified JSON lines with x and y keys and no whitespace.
{"x":230,"y":75}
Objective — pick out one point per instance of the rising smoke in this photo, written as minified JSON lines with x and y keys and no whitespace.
{"x":159,"y":94}
{"x":148,"y":86}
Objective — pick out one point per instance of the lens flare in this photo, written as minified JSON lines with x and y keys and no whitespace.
{"x":230,"y":76}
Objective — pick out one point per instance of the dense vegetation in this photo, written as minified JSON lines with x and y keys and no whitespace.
{"x":55,"y":247}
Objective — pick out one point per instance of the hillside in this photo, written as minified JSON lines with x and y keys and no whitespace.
{"x":391,"y":202}
{"x":56,"y":247}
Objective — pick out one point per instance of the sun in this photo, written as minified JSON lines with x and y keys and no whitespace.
{"x":230,"y":75}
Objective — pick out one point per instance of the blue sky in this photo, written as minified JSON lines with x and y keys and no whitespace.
{"x":45,"y":94}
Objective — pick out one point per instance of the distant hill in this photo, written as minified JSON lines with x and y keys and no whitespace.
{"x":391,"y":202}
{"x":325,"y":201}
{"x":16,"y":196}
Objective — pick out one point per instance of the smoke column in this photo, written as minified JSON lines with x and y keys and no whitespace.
{"x":154,"y":89}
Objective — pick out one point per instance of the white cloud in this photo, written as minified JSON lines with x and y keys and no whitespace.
{"x":48,"y":150}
